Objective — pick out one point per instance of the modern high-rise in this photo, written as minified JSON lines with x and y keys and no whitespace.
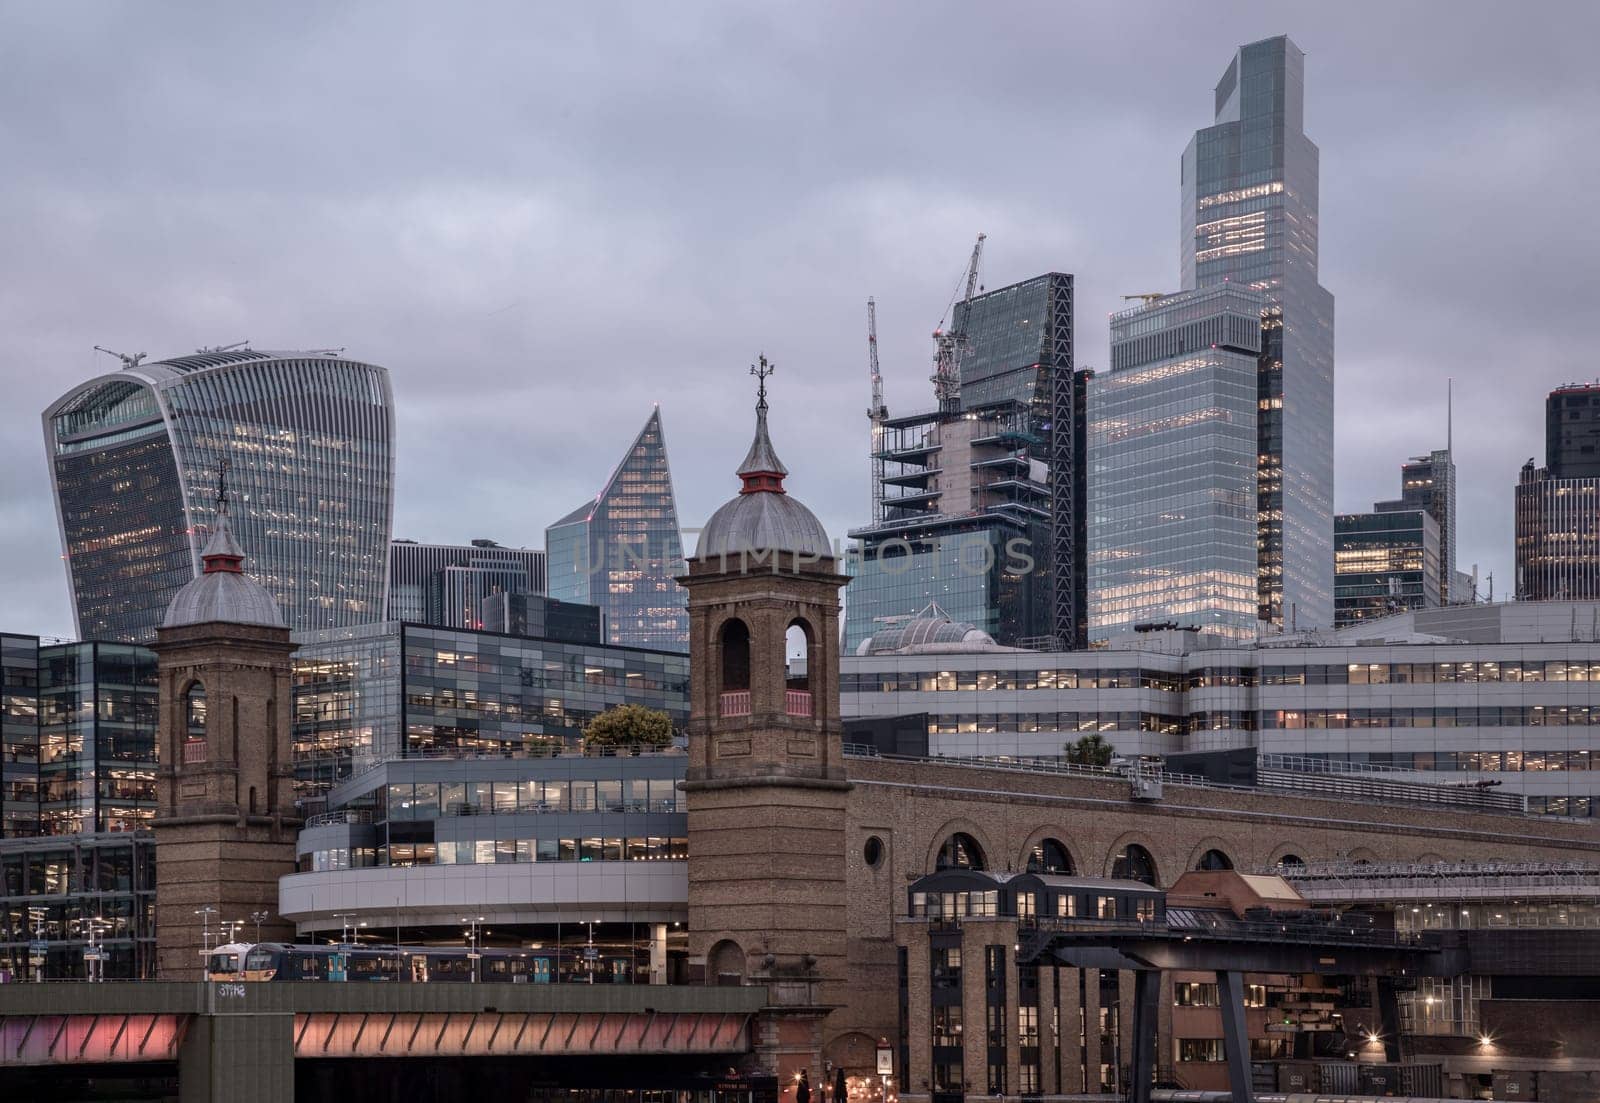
{"x":135,"y":457}
{"x":79,"y":726}
{"x":1384,"y":563}
{"x":1250,"y":218}
{"x":623,"y":552}
{"x":1172,"y":481}
{"x":1428,"y":483}
{"x":447,"y":584}
{"x":1558,"y":505}
{"x":981,"y":508}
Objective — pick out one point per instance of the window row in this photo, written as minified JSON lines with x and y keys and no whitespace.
{"x":1470,"y":716}
{"x":649,"y":848}
{"x":1477,"y":671}
{"x":427,"y":800}
{"x":1492,"y":762}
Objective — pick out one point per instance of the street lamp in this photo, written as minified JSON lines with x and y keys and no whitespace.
{"x":259,"y":917}
{"x":205,"y":915}
{"x":40,"y":950}
{"x":473,"y":956}
{"x":94,"y":954}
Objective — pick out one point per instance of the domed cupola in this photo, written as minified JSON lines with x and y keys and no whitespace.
{"x":223,"y":592}
{"x":763,"y":518}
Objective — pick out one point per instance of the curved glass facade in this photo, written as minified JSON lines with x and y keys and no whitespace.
{"x":135,"y":456}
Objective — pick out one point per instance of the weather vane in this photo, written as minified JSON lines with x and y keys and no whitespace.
{"x":761,"y":374}
{"x":222,"y":486}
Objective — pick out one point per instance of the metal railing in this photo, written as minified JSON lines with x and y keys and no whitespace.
{"x":1332,"y":784}
{"x":736,"y":703}
{"x":796,"y":702}
{"x":343,"y":816}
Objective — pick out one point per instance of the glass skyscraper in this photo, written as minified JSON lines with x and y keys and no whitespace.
{"x":622,"y":551}
{"x":1428,"y":483}
{"x":134,"y":459}
{"x":1558,"y":505}
{"x":1384,"y":563}
{"x":447,"y":584}
{"x":1172,"y":487}
{"x":1250,"y":218}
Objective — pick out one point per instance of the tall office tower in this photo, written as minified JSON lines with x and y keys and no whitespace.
{"x":19,"y":735}
{"x":1384,"y":563}
{"x":1428,"y":483}
{"x":1250,"y":218}
{"x":134,"y":459}
{"x":1172,"y":487}
{"x":622,"y":551}
{"x":983,"y":505}
{"x":447,"y":584}
{"x":1558,"y":505}
{"x":79,"y":726}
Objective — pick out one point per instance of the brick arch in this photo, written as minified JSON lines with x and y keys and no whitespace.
{"x":1361,"y":854}
{"x":1214,"y":842}
{"x":852,"y":1049}
{"x":966,"y":827}
{"x":1162,"y":860}
{"x":1282,"y":850}
{"x":1432,"y":857}
{"x":1060,"y":835}
{"x":726,"y":960}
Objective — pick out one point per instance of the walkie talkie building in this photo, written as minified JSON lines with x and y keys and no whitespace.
{"x":134,"y":457}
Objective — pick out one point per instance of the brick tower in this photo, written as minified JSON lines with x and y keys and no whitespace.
{"x":766,"y":785}
{"x":225,"y":822}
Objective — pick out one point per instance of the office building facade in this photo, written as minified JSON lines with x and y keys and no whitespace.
{"x":1172,"y":482}
{"x":80,"y":737}
{"x":623,"y":551}
{"x":135,"y":458}
{"x":1558,"y":505}
{"x":1250,"y":218}
{"x":56,"y":890}
{"x":1384,"y":563}
{"x":448,"y":584}
{"x":1507,"y":701}
{"x":564,"y":852}
{"x":392,"y":690}
{"x":1428,"y":483}
{"x":983,"y":508}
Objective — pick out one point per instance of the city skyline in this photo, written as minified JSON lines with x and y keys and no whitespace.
{"x":505,"y":252}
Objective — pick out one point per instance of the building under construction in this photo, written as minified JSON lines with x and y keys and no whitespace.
{"x":978,"y":503}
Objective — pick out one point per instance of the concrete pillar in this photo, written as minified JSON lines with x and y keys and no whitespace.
{"x":658,"y":953}
{"x":1142,"y":1065}
{"x":1235,"y":1036}
{"x":237,"y":1058}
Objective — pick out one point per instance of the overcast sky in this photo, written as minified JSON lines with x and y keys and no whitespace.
{"x":543,"y":218}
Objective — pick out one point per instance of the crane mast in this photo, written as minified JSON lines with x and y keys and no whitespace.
{"x":949,"y":345}
{"x":876,"y":413}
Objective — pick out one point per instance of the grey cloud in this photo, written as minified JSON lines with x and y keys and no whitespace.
{"x":544,"y":218}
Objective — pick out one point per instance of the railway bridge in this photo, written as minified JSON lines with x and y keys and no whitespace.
{"x":252,"y":1042}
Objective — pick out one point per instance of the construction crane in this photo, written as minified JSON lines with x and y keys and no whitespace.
{"x":127,"y":360}
{"x":950,"y":345}
{"x":876,"y":413}
{"x":1147,"y":297}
